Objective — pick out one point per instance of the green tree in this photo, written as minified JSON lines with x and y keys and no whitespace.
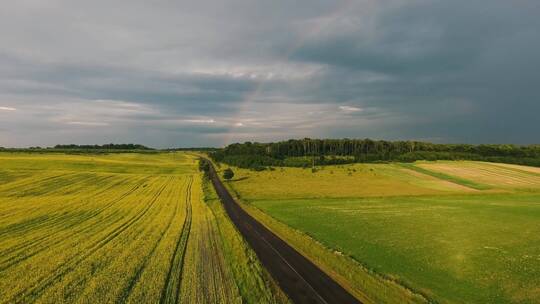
{"x":204,"y":166}
{"x":228,"y":174}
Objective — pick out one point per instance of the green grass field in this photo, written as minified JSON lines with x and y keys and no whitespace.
{"x":449,"y":232}
{"x":135,"y":228}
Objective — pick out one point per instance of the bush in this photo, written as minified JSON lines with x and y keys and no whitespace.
{"x":228,"y":174}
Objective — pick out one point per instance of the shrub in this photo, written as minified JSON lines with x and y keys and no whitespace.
{"x":228,"y":174}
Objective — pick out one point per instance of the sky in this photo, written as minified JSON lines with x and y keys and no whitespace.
{"x":209,"y":73}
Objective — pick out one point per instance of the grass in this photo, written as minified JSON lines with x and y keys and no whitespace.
{"x":447,"y":245}
{"x":363,"y":283}
{"x":131,"y":228}
{"x":357,"y":180}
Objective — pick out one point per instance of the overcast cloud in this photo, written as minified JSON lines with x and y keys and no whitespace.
{"x":198,"y":73}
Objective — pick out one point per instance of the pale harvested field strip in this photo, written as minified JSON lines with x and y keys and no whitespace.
{"x":26,"y":295}
{"x":174,"y":276}
{"x":23,"y":250}
{"x":519,"y":168}
{"x":522,"y":177}
{"x":498,"y":171}
{"x":486,"y":173}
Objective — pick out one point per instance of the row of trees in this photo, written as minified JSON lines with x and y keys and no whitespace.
{"x":85,"y":149}
{"x":338,"y":151}
{"x":202,"y":149}
{"x":103,"y":147}
{"x":204,"y":166}
{"x":352,"y":147}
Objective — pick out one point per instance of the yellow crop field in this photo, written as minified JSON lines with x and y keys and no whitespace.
{"x":122,"y":228}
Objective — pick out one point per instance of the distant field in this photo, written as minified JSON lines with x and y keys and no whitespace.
{"x":129,"y":228}
{"x":495,"y":175}
{"x":358,"y":180}
{"x":427,"y":227}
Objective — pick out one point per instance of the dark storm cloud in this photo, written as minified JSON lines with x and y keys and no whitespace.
{"x":472,"y":67}
{"x":210,"y":72}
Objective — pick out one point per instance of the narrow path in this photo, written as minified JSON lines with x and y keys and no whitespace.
{"x":299,"y":278}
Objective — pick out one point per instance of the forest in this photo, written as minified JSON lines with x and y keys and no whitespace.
{"x":306,"y":152}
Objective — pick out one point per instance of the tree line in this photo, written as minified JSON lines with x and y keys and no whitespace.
{"x":103,"y":147}
{"x":305,"y":152}
{"x":84,"y":149}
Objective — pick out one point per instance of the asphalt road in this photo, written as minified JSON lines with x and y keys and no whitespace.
{"x":297,"y":276}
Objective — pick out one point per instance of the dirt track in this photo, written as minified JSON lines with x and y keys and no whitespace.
{"x":299,"y":278}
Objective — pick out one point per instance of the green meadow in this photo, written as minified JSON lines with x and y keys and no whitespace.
{"x":449,"y":232}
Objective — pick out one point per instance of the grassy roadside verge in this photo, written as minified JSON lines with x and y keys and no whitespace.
{"x":254,"y":283}
{"x":363,"y":283}
{"x":206,"y":275}
{"x":446,"y":177}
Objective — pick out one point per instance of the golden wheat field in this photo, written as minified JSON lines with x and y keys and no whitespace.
{"x":118,"y":228}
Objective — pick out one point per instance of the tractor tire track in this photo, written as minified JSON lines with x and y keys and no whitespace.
{"x":21,"y":252}
{"x":21,"y":227}
{"x":174,"y":277}
{"x":135,"y":279}
{"x":29,"y":295}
